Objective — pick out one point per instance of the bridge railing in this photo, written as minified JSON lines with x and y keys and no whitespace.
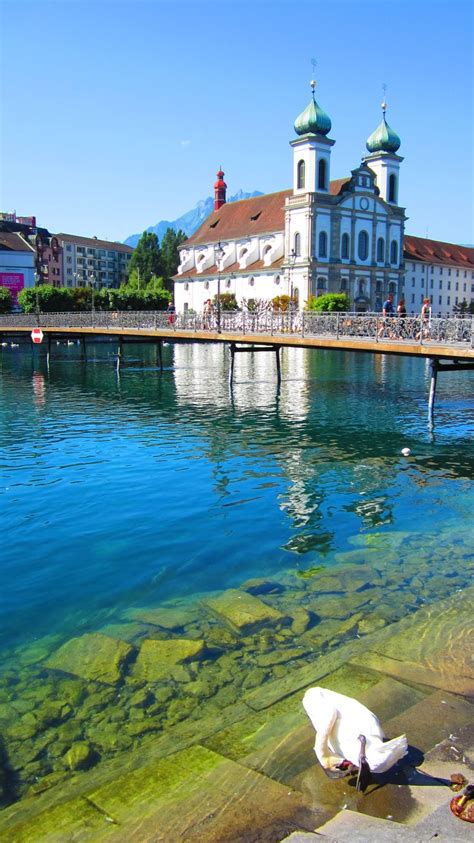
{"x":450,"y":330}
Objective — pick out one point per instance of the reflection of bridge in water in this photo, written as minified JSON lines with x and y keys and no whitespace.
{"x":448,"y":342}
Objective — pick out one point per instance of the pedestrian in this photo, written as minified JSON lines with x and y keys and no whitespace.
{"x":401,"y":309}
{"x":387,"y":313}
{"x":425,"y":319}
{"x":171,"y":311}
{"x":207,"y":314}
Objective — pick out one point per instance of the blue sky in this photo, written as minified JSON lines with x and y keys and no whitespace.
{"x":117,"y":114}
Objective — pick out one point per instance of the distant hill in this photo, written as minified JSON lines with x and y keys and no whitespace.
{"x":191,"y":220}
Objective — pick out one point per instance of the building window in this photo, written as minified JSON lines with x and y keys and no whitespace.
{"x":363,"y":245}
{"x":297,"y":245}
{"x":449,"y":285}
{"x":392,"y":188}
{"x":252,"y":281}
{"x":323,"y":245}
{"x":321,"y":285}
{"x":343,"y":285}
{"x":227,"y":283}
{"x":449,"y":272}
{"x":457,"y":285}
{"x":440,"y":283}
{"x":300,"y":180}
{"x":380,"y":250}
{"x":448,"y":300}
{"x":206,"y":285}
{"x":413,"y":282}
{"x":322,"y":174}
{"x":432,"y":270}
{"x":440,"y":299}
{"x":394,"y":252}
{"x":68,"y":248}
{"x":345,"y":246}
{"x":413,"y":298}
{"x":431,"y":284}
{"x":277,"y":280}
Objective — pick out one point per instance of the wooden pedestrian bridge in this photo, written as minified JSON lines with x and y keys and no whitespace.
{"x":448,"y":342}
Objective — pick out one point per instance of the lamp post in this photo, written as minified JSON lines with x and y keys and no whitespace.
{"x":92,"y":286}
{"x":37,"y":278}
{"x":219,"y":254}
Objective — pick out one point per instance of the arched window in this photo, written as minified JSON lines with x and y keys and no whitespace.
{"x":378,"y":287}
{"x":300,"y":181}
{"x":392,"y":287}
{"x":345,"y":246}
{"x":323,"y":245}
{"x":394,"y":252}
{"x":392,"y":188}
{"x":363,"y":245}
{"x":361,"y":287}
{"x":251,"y":281}
{"x":297,"y":245}
{"x":380,"y":250}
{"x":277,"y":279}
{"x":322,"y":167}
{"x":343,"y":285}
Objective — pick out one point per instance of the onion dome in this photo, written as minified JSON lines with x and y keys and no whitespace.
{"x":313,"y":120}
{"x":384,"y":139}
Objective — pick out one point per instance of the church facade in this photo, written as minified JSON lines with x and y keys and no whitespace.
{"x":319,"y":236}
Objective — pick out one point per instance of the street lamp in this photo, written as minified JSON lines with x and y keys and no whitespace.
{"x":219,"y":254}
{"x":37,"y":279}
{"x":92,"y":286}
{"x":293,"y":257}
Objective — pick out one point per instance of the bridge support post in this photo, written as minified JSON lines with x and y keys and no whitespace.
{"x":83,"y":348}
{"x":159,"y":354}
{"x":277,"y":358}
{"x":234,"y":348}
{"x":232,"y":361}
{"x":48,"y":350}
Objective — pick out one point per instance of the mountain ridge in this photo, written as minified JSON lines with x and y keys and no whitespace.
{"x":190,"y":221}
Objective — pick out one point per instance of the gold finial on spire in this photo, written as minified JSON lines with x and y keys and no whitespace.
{"x":384,"y":101}
{"x":313,"y":80}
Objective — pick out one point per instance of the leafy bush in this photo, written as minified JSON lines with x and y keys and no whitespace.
{"x":281,"y":303}
{"x":5,"y":300}
{"x":228,"y":301}
{"x":50,"y":299}
{"x":63,"y":299}
{"x":329,"y":303}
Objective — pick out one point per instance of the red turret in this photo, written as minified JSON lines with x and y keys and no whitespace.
{"x":220,"y":188}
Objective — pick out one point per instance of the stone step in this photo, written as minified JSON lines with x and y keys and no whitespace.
{"x":195,"y":794}
{"x":431,"y":719}
{"x":352,"y":827}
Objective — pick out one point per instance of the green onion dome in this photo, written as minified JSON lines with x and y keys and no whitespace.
{"x":384,"y":139}
{"x":313,"y":120}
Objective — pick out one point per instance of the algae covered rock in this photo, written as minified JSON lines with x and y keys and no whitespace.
{"x":93,"y":656}
{"x":161,"y":659}
{"x":165,"y":617}
{"x":242,"y":612}
{"x":80,"y":756}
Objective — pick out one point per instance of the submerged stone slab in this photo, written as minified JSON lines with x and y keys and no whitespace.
{"x":157,"y":659}
{"x":165,"y":617}
{"x":434,"y":646}
{"x":93,"y":656}
{"x":242,"y":612}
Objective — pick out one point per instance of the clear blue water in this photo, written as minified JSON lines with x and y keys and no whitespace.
{"x":131,"y":490}
{"x":148,"y":485}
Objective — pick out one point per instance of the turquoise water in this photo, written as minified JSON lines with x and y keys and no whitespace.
{"x":121,"y":491}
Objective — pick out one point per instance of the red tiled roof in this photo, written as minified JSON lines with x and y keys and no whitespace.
{"x":93,"y":242}
{"x":233,"y":269}
{"x":436,"y":251}
{"x":257,"y":215}
{"x":14,"y":243}
{"x":335,"y":186}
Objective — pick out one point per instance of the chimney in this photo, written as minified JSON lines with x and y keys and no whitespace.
{"x":220,"y":188}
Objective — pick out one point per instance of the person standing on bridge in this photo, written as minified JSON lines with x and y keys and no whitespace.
{"x":387,"y":312}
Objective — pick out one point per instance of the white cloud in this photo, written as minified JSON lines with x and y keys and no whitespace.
{"x":184,"y":143}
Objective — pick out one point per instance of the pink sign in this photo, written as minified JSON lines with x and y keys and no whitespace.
{"x":14,"y":281}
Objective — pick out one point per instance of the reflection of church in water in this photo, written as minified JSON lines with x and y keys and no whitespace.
{"x":319,"y":236}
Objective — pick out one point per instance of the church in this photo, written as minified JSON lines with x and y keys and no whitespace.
{"x":322,"y":235}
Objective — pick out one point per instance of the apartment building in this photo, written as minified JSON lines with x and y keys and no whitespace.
{"x":442,"y":272}
{"x":88,"y":259}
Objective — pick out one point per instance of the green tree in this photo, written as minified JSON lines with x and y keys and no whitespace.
{"x":170,"y":254}
{"x":50,"y":299}
{"x":5,"y":300}
{"x":146,"y":259}
{"x":329,"y":303}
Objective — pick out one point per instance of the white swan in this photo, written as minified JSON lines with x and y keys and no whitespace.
{"x":347,"y":733}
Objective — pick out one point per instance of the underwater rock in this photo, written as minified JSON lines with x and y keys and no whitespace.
{"x":348,"y":579}
{"x":160,"y":659}
{"x":80,"y":756}
{"x":370,"y":624}
{"x":165,"y":617}
{"x":261,"y":586}
{"x":142,"y":698}
{"x":220,"y":638}
{"x":301,"y":620}
{"x":255,"y":677}
{"x":45,"y":783}
{"x":51,"y":713}
{"x":340,"y":607}
{"x":93,"y":656}
{"x":243,"y":613}
{"x":279,"y":656}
